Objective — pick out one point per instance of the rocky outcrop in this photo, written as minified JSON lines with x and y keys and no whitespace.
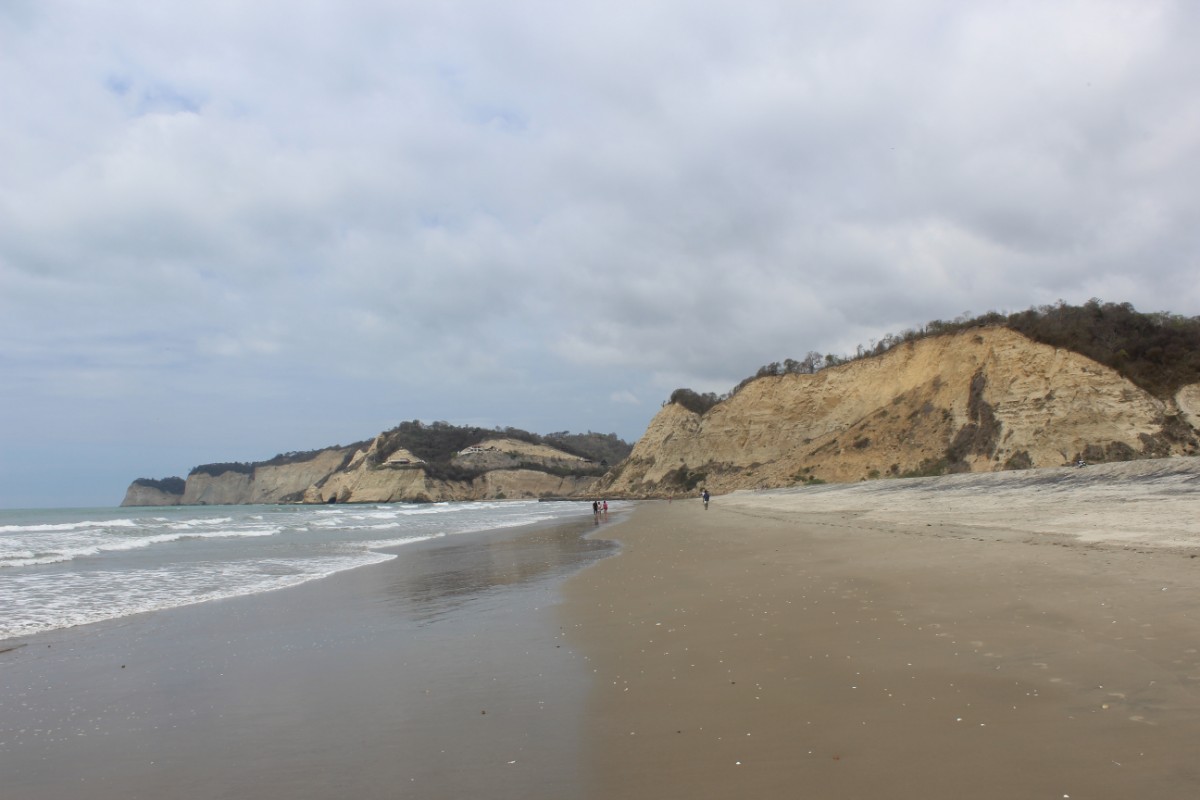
{"x":985,"y":399}
{"x":1187,"y":400}
{"x":494,"y":469}
{"x":980,"y":400}
{"x":287,"y":482}
{"x":512,"y":484}
{"x":147,"y":492}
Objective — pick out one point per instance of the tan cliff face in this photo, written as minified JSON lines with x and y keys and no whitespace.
{"x":363,"y":482}
{"x":981,"y":400}
{"x":1188,"y":401}
{"x":274,"y":483}
{"x":506,"y":469}
{"x":228,"y":488}
{"x":266,"y":483}
{"x":139,"y":495}
{"x":985,"y":399}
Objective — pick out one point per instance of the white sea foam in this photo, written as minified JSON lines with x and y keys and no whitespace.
{"x":186,"y":524}
{"x":66,"y":550}
{"x":68,"y":526}
{"x":95,"y":596}
{"x":381,"y":544}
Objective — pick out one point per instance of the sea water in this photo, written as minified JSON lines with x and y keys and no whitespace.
{"x":66,"y":567}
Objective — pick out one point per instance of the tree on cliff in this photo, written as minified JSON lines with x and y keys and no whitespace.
{"x":693,"y":401}
{"x":438,"y":442}
{"x":173,"y":485}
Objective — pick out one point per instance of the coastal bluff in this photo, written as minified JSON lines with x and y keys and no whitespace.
{"x":151,"y":492}
{"x":985,"y":399}
{"x":380,"y":471}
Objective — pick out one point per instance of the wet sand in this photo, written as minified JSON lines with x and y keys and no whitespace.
{"x":439,"y":674}
{"x":1023,"y":635}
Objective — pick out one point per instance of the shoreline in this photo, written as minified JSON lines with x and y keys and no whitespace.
{"x":438,"y":674}
{"x":931,"y":638}
{"x":875,"y":643}
{"x":289,"y":543}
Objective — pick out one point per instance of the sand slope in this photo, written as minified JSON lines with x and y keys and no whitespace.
{"x":1151,"y":503}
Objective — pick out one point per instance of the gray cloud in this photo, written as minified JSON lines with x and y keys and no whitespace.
{"x":221,"y":237}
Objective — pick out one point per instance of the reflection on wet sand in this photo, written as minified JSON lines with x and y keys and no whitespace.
{"x":434,"y":581}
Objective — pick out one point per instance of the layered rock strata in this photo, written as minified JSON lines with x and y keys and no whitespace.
{"x":985,"y":399}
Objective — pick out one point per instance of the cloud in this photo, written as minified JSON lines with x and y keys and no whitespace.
{"x":407,"y":210}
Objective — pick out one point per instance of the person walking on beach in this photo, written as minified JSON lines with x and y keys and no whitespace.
{"x":704,"y":496}
{"x":604,"y":508}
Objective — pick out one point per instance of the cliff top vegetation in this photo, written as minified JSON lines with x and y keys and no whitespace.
{"x":172,"y":485}
{"x":1159,"y":352}
{"x":437,"y":443}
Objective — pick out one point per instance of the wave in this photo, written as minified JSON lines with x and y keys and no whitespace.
{"x":69,"y":526}
{"x":382,"y":543}
{"x":197,"y":523}
{"x":29,"y":558}
{"x":111,"y":595}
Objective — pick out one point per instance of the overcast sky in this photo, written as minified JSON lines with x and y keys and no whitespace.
{"x":231,"y":229}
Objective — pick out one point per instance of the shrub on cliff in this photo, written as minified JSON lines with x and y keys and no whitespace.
{"x":218,"y":469}
{"x":167,"y":485}
{"x":432,"y":443}
{"x":1159,"y":352}
{"x":599,"y":447}
{"x":438,"y":442}
{"x":694,"y":401}
{"x":300,"y":456}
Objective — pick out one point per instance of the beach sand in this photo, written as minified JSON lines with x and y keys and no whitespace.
{"x":1014,"y":635}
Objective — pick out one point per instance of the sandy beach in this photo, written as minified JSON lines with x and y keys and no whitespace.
{"x":1016,"y":635}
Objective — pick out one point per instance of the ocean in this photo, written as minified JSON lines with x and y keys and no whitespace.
{"x":61,"y":568}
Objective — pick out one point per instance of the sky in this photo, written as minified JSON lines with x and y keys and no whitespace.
{"x":230,"y":229}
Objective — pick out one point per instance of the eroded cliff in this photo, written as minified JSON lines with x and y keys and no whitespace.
{"x":493,"y":469}
{"x":146,"y":492}
{"x":380,"y":472}
{"x":985,"y":399}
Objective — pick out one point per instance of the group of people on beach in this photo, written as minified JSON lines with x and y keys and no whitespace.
{"x":600,"y":509}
